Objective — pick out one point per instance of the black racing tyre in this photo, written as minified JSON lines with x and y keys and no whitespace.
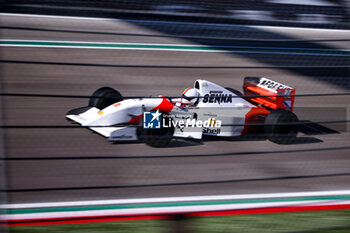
{"x":156,"y":137}
{"x":113,"y":96}
{"x":281,"y":134}
{"x":234,"y":91}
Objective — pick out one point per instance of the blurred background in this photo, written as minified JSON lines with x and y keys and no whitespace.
{"x":315,"y":13}
{"x":303,"y":44}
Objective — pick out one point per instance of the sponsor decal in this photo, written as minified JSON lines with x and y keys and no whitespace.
{"x":287,"y":93}
{"x":217,"y":97}
{"x":210,"y":114}
{"x":100,"y":112}
{"x":212,"y":130}
{"x":287,"y":104}
{"x":271,"y":85}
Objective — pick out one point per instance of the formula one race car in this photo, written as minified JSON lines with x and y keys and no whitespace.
{"x":205,"y":109}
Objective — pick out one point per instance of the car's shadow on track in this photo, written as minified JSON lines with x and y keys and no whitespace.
{"x":309,"y":129}
{"x":181,"y":142}
{"x":184,"y":143}
{"x":176,"y":142}
{"x":252,"y":138}
{"x":306,"y":131}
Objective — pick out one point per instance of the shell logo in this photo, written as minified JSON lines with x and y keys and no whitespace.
{"x":212,"y":121}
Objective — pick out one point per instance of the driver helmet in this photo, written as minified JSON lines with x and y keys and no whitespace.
{"x":190,"y":96}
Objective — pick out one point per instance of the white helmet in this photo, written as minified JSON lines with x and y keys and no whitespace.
{"x":190,"y":96}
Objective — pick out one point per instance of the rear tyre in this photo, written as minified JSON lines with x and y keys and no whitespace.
{"x":281,"y":134}
{"x":156,"y":137}
{"x":234,"y":91}
{"x":106,"y":96}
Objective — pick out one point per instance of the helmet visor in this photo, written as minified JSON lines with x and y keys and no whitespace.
{"x":189,"y":98}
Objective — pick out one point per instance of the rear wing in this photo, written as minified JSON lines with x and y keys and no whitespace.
{"x":274,"y":95}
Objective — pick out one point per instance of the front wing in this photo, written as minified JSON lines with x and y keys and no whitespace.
{"x":83,"y":115}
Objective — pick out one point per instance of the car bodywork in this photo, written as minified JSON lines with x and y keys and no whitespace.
{"x":120,"y":121}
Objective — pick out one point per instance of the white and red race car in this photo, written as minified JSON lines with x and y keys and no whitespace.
{"x":265,"y":108}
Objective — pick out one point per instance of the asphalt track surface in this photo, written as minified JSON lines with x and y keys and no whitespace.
{"x":75,"y":164}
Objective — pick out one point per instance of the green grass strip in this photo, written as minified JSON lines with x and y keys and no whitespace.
{"x":335,"y":221}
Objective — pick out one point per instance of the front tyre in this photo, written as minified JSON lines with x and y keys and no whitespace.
{"x":156,"y":137}
{"x":279,"y":127}
{"x":104,"y":96}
